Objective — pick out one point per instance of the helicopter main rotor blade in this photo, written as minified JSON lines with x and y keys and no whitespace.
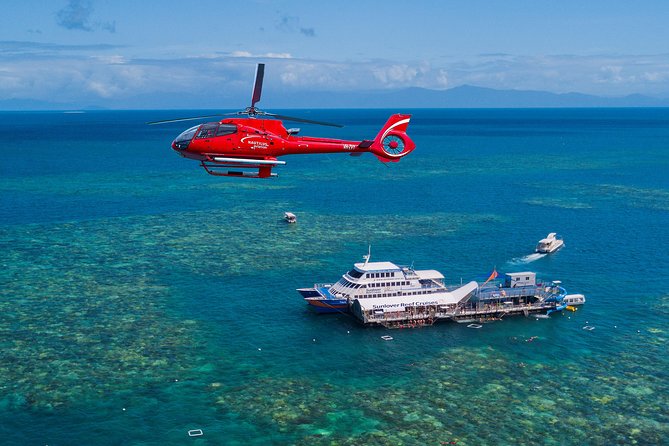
{"x":185,"y":119}
{"x":306,"y":121}
{"x":257,"y":85}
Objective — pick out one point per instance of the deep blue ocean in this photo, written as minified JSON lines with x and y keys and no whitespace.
{"x":141,"y":298}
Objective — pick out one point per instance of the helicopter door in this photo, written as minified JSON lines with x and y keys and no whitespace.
{"x":225,"y":131}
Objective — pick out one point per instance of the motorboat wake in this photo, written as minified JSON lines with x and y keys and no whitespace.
{"x":527,"y":259}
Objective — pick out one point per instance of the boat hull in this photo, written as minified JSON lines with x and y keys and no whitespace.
{"x":320,"y":305}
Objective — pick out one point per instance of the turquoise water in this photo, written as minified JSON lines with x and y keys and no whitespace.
{"x":142,"y":298}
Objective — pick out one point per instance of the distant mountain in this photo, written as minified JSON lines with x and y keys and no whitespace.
{"x":465,"y":96}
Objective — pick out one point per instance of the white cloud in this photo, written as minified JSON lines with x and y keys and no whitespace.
{"x":265,"y":55}
{"x":112,"y":59}
{"x":104,"y":75}
{"x":441,"y":79}
{"x":395,"y":74}
{"x":102,"y":89}
{"x":611,"y":73}
{"x":656,"y":76}
{"x":607,"y":75}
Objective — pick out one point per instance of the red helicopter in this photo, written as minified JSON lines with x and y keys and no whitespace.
{"x":249,"y":147}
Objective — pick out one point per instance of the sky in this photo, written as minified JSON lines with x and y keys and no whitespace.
{"x":202,"y":53}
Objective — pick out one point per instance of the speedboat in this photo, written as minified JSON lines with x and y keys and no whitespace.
{"x":549,"y":244}
{"x":289,"y":217}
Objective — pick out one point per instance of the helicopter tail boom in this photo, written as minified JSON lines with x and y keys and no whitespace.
{"x":392,"y":142}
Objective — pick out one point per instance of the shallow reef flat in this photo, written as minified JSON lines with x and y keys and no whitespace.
{"x":469,"y":397}
{"x":89,"y":306}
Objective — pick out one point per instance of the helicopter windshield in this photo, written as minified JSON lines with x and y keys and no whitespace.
{"x":203,"y":131}
{"x":182,"y":141}
{"x":187,"y":135}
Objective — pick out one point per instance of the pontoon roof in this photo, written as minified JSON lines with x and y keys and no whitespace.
{"x":522,"y":273}
{"x":429,"y":274}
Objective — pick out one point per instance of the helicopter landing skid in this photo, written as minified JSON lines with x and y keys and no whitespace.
{"x":240,"y":170}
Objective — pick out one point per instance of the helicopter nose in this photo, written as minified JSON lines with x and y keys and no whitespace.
{"x":183,"y":140}
{"x":180,"y":145}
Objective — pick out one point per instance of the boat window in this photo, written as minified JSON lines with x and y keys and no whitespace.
{"x":355,"y":274}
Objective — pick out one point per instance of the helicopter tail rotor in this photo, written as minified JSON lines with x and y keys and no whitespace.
{"x":392,"y":142}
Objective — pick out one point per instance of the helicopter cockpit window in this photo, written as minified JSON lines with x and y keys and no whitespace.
{"x":207,"y":131}
{"x":187,"y":135}
{"x":226,"y":129}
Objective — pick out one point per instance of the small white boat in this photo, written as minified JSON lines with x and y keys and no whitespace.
{"x":549,"y":244}
{"x":290,"y":217}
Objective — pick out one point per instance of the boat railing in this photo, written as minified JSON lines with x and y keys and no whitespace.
{"x":409,"y":273}
{"x":540,"y":291}
{"x":498,"y":308}
{"x":508,"y":293}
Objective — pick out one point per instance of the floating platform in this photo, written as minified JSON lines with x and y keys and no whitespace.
{"x":469,"y":304}
{"x":383,"y":293}
{"x":424,"y":315}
